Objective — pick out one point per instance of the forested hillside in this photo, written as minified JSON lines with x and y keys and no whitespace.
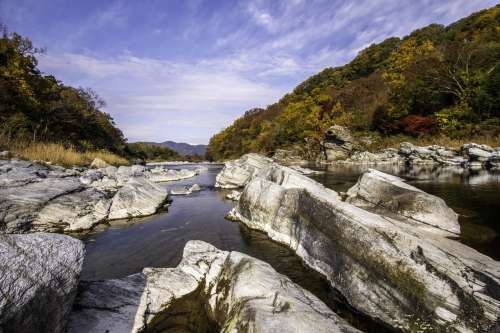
{"x":436,"y":81}
{"x":38,"y":108}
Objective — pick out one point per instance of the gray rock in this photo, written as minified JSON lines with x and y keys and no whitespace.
{"x":19,"y":205}
{"x":160,"y":174}
{"x":210,"y":290}
{"x":390,"y":269}
{"x":195,"y":188}
{"x":338,"y":143}
{"x":138,"y":197}
{"x":4,"y":154}
{"x":38,"y":281}
{"x":238,"y":173}
{"x":79,"y":211}
{"x":97,"y":163}
{"x":376,"y":189}
{"x":234,"y":195}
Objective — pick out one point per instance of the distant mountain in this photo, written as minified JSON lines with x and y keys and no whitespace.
{"x":183,"y":148}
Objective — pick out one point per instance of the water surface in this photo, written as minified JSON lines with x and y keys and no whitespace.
{"x":126,"y":247}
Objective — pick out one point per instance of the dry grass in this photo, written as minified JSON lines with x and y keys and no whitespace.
{"x":58,"y":154}
{"x":394,"y":141}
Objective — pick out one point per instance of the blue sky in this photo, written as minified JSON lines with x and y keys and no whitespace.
{"x":183,"y":70}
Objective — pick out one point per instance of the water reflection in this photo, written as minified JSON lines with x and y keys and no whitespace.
{"x":473,"y":194}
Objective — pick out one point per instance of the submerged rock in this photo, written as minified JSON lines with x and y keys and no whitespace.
{"x":38,"y":281}
{"x":390,"y":269}
{"x":138,"y":197}
{"x":379,"y":190}
{"x":210,"y":290}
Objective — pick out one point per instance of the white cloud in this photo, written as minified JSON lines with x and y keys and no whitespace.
{"x":156,"y":100}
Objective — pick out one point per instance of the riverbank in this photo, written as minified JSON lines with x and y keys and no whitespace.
{"x":119,"y":252}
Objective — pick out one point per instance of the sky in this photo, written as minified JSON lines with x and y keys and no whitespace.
{"x":183,"y":70}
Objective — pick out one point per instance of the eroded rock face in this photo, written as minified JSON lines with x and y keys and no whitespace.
{"x":38,"y":281}
{"x":390,"y":269}
{"x":210,"y":290}
{"x":36,"y":197}
{"x":79,"y":211}
{"x":376,"y":189}
{"x":138,"y":197}
{"x":238,"y":173}
{"x":338,"y":143}
{"x":160,"y":174}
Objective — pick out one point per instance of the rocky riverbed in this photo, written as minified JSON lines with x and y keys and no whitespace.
{"x":385,"y":247}
{"x":40,"y":197}
{"x":341,"y":147}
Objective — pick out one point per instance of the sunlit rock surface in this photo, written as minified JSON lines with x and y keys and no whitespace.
{"x":37,"y":197}
{"x":380,"y":190}
{"x":38,"y":281}
{"x":138,"y":197}
{"x":390,"y":269}
{"x":238,"y":173}
{"x":210,"y":291}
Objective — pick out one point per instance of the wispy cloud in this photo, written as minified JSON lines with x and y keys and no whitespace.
{"x":150,"y":97}
{"x":182,"y":70}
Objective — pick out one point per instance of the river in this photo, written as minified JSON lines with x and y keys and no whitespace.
{"x":126,"y":247}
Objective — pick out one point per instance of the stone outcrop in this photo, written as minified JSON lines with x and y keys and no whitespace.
{"x":471,"y":155}
{"x":97,"y":163}
{"x":38,"y":281}
{"x":37,"y":197}
{"x":159,"y":174}
{"x":338,"y":143}
{"x":210,"y":290}
{"x":79,"y":211}
{"x":376,"y":189}
{"x":406,"y":276}
{"x":238,"y":173}
{"x":138,"y":197}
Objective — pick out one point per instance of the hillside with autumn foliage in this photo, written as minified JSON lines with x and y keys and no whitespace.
{"x":437,"y":81}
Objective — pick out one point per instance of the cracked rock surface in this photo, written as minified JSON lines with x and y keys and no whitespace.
{"x":398,"y":271}
{"x":209,"y":291}
{"x":37,"y":197}
{"x":38,"y":281}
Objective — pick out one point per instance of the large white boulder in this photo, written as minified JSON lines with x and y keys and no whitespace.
{"x":238,"y":173}
{"x":138,"y":197}
{"x":160,"y":174}
{"x":78,"y":211}
{"x":390,"y":269}
{"x":38,"y":281}
{"x":376,"y":189}
{"x":210,"y":290}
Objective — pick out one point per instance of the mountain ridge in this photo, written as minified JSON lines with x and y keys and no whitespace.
{"x":182,"y":148}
